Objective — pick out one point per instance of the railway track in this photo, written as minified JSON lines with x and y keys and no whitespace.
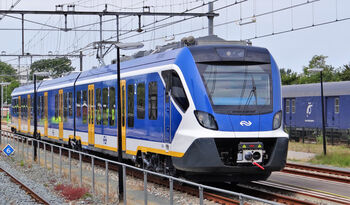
{"x":318,"y":172}
{"x":28,"y":190}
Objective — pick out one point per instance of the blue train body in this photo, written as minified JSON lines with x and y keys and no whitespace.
{"x":302,"y":106}
{"x":201,"y":110}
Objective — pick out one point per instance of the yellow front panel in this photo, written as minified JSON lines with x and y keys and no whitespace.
{"x":60,"y":114}
{"x":91,"y":115}
{"x":28,"y":97}
{"x":46,"y":115}
{"x":123,"y":111}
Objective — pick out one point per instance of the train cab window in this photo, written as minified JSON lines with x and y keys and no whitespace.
{"x":130,"y":105}
{"x":78,"y":104}
{"x":336,"y":105}
{"x":176,"y":89}
{"x":98,"y":106}
{"x":84,"y":106}
{"x":112,"y":106}
{"x":70,"y":104}
{"x":56,"y":108}
{"x":65,"y":108}
{"x":140,"y":101}
{"x":293,"y":105}
{"x":152,"y":100}
{"x":105,"y":106}
{"x":287,"y":105}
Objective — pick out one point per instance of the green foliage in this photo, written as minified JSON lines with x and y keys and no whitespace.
{"x":288,"y":77}
{"x":9,"y":75}
{"x":56,"y":67}
{"x":338,"y":159}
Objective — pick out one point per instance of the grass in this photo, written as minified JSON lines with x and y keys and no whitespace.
{"x":336,"y":155}
{"x":71,"y":192}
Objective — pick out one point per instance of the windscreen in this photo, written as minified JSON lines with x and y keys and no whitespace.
{"x":238,"y":89}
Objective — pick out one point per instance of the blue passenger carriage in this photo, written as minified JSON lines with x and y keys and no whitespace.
{"x":207,"y":112}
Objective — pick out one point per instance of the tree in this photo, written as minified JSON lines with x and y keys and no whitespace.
{"x":8,"y":74}
{"x":344,"y":73}
{"x":328,"y":73}
{"x":56,"y":67}
{"x":288,"y":77}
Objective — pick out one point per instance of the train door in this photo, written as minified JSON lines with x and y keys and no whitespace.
{"x":46,"y":115}
{"x":91,"y":115}
{"x":123,"y":111}
{"x":19,"y":113}
{"x":332,"y":111}
{"x":167,"y":106}
{"x":28,"y":112}
{"x":60,"y":114}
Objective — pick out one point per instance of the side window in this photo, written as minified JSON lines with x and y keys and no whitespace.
{"x":42,"y":107}
{"x":98,"y":106}
{"x":112,"y":106}
{"x":287,"y":106}
{"x":130,"y":105}
{"x":141,"y":101}
{"x":84,"y":107}
{"x":56,"y":107}
{"x":293,"y":105}
{"x":105,"y":106}
{"x":65,"y":108}
{"x":46,"y":111}
{"x":336,"y":105}
{"x":175,"y":87}
{"x":78,"y":104}
{"x":70,"y":104}
{"x":152,"y":101}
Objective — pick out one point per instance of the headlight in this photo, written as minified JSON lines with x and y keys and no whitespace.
{"x":206,"y":120}
{"x":277,"y":119}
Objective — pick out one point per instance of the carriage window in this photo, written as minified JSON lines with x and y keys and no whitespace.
{"x":84,"y":105}
{"x":105,"y":106}
{"x":78,"y":104}
{"x":336,"y":105}
{"x":130,"y":105}
{"x":70,"y":104}
{"x":152,"y":100}
{"x":111,"y":106}
{"x":65,"y":108}
{"x":42,"y":107}
{"x":98,"y":106}
{"x":140,"y":101}
{"x":56,"y":107}
{"x":287,"y":106}
{"x":46,"y":107}
{"x":293,"y":105}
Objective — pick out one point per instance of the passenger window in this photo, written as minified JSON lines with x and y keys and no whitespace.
{"x":336,"y":105}
{"x":293,"y":105}
{"x":56,"y":107}
{"x":65,"y":109}
{"x":98,"y":106}
{"x":46,"y":108}
{"x":130,"y":105}
{"x":175,"y":87}
{"x":152,"y":100}
{"x":84,"y":107}
{"x":70,"y":104}
{"x":287,"y":106}
{"x":105,"y":106}
{"x":141,"y":101}
{"x":111,"y":106}
{"x":78,"y":104}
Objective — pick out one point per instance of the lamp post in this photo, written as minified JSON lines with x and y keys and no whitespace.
{"x":35,"y":110}
{"x":123,"y":46}
{"x":2,"y":84}
{"x":322,"y":104}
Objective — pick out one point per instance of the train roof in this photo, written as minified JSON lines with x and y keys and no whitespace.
{"x":314,"y":89}
{"x":157,"y":59}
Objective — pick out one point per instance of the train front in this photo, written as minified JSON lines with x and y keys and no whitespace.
{"x":237,"y":133}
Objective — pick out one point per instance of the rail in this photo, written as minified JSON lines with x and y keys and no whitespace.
{"x":20,"y":139}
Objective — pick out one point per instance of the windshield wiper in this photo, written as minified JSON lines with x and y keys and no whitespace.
{"x":251,"y":93}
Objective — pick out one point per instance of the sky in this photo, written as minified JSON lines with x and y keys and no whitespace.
{"x":290,"y":49}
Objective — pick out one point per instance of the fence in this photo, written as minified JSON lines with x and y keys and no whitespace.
{"x":22,"y":145}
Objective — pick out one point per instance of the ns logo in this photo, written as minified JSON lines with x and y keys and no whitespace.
{"x":308,"y":109}
{"x":245,"y":123}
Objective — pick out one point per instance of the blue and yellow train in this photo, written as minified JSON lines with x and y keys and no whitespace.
{"x":207,"y":112}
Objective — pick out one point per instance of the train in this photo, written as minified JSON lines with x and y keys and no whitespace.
{"x":205,"y":112}
{"x":303,"y":110}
